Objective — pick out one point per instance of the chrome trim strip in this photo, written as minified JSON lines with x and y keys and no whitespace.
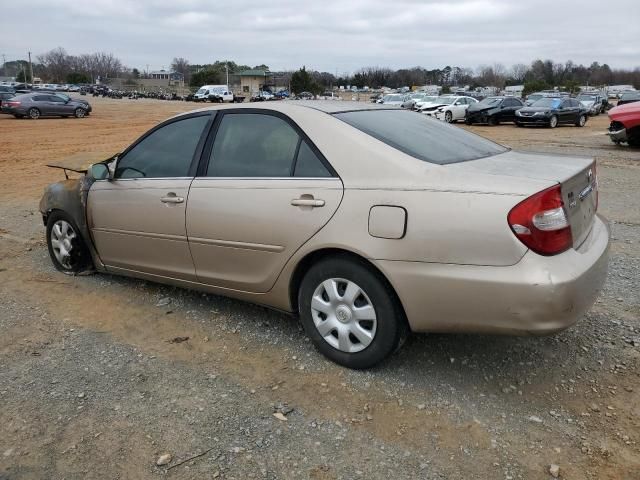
{"x":261,"y":247}
{"x":161,"y":236}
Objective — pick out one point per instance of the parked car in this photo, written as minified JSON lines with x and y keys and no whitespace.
{"x":305,"y":96}
{"x":213,"y":93}
{"x":36,"y":105}
{"x":629,"y":97}
{"x":426,"y":100}
{"x":625,"y":124}
{"x":396,"y":99}
{"x":493,"y":110}
{"x":454,"y":111}
{"x":552,"y":112}
{"x":355,"y":217}
{"x":3,"y":97}
{"x":66,"y":97}
{"x":534,"y":97}
{"x":447,"y":100}
{"x":412,"y":99}
{"x":594,"y":103}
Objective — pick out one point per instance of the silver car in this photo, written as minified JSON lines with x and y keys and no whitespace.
{"x":366,"y":221}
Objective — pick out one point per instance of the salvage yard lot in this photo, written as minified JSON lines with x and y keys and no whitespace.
{"x":92,"y":386}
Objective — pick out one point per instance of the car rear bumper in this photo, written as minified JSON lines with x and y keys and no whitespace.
{"x":538,"y":295}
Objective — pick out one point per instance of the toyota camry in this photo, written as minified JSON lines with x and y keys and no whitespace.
{"x":367,"y":222}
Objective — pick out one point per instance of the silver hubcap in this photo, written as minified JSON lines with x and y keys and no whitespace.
{"x":344,"y":315}
{"x":34,"y":113}
{"x":80,"y":113}
{"x":582,"y":121}
{"x":554,"y":122}
{"x":62,"y":236}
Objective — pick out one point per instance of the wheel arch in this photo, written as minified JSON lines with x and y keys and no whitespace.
{"x":316,"y":256}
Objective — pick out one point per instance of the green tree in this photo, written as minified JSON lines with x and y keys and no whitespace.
{"x":135,"y":73}
{"x":534,"y":86}
{"x":23,"y":76}
{"x":208,"y":76}
{"x":76,"y":77}
{"x":301,"y":81}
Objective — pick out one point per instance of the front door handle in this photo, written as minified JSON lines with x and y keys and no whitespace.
{"x":307,"y":202}
{"x":172,"y":198}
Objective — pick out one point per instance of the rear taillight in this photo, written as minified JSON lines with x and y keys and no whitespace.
{"x":541,"y":222}
{"x":11,"y":104}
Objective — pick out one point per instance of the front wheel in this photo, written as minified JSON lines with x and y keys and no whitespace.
{"x":553,"y":121}
{"x":350,"y":313}
{"x":468,"y":121}
{"x":582,"y":120}
{"x":79,"y":112}
{"x":448,"y":117}
{"x":493,"y":121}
{"x":67,"y":249}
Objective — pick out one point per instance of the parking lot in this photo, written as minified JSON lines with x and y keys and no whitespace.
{"x":102,"y":375}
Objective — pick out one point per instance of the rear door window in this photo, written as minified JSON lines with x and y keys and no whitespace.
{"x":423,"y":138}
{"x":253,"y":145}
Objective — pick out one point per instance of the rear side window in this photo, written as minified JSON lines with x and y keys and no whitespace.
{"x":308,"y":164}
{"x":166,"y":152}
{"x":253,"y":145}
{"x":421,"y":137}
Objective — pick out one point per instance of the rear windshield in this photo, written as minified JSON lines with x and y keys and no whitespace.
{"x":421,"y":137}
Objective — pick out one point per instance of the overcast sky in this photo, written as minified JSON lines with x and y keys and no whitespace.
{"x":330,"y":35}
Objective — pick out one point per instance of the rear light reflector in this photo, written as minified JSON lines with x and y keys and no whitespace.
{"x":10,"y":103}
{"x":541,"y":223}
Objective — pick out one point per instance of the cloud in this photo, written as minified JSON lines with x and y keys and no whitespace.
{"x":332,"y":35}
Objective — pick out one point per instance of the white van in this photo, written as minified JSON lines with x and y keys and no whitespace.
{"x":207,"y":92}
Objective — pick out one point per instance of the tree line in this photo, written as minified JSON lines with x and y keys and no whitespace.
{"x":57,"y":66}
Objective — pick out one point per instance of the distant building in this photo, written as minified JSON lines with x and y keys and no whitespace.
{"x":252,"y":81}
{"x":159,"y":79}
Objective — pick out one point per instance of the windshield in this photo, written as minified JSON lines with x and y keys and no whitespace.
{"x":548,"y":103}
{"x":533,"y":98}
{"x":423,"y":138}
{"x":586,"y":98}
{"x":446,"y":100}
{"x":392,"y":98}
{"x":490,"y":101}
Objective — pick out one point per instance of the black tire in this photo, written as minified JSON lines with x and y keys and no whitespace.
{"x":633,"y":138}
{"x":493,"y":121}
{"x":79,"y":112}
{"x":582,"y":121}
{"x":448,"y":117}
{"x":79,"y":258}
{"x":33,"y":113}
{"x":518,"y":124}
{"x":390,"y":324}
{"x":467,"y":121}
{"x":17,"y":115}
{"x":553,"y":121}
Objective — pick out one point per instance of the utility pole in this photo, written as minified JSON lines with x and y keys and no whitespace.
{"x":227,"y":68}
{"x":30,"y":69}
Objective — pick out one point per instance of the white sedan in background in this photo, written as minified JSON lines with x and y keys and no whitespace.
{"x":453,"y":110}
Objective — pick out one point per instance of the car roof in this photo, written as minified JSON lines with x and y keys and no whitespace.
{"x":325,"y":106}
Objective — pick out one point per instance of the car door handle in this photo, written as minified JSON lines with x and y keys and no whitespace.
{"x":172,"y":198}
{"x":307,"y":202}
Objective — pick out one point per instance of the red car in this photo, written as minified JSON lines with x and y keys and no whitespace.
{"x":625,"y":124}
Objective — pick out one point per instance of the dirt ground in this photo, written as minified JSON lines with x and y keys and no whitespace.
{"x":91,"y":385}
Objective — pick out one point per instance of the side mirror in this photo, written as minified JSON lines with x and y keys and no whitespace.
{"x":100,"y":171}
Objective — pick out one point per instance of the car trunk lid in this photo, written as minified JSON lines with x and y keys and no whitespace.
{"x":576,"y":176}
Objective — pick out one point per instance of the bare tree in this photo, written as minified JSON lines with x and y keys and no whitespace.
{"x":519,"y":72}
{"x":55,"y":63}
{"x":181,"y":65}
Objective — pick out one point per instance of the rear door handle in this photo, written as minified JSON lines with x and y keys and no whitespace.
{"x":307,"y":202}
{"x":172,"y":198}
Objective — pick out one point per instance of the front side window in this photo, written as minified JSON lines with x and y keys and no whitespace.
{"x":166,"y":152}
{"x":253,"y":145}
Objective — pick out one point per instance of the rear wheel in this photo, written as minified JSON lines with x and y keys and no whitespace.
{"x":553,"y":121}
{"x":34,"y":113}
{"x":493,"y":121}
{"x":17,"y":115}
{"x":582,"y":120}
{"x":67,"y":249}
{"x":350,"y":313}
